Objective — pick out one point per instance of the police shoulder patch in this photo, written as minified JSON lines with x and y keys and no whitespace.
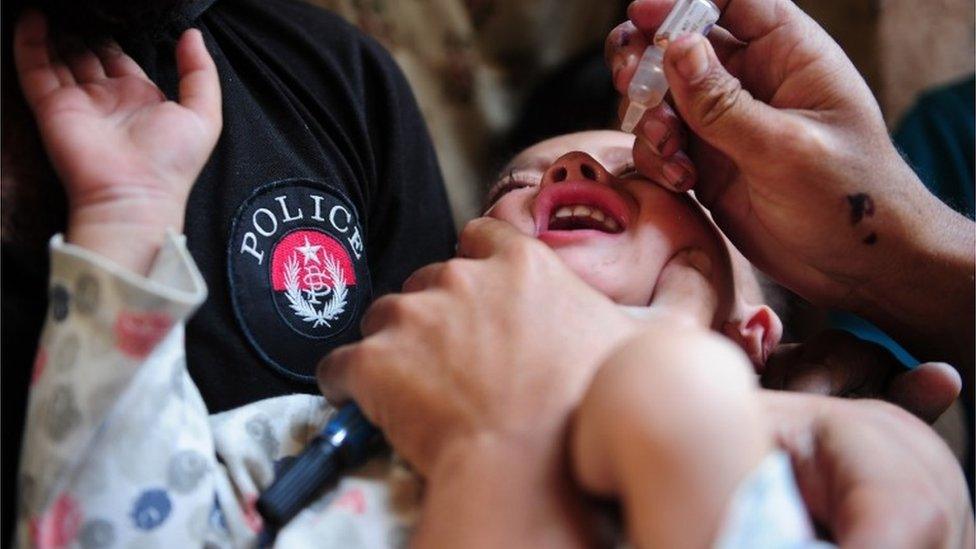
{"x":298,"y":273}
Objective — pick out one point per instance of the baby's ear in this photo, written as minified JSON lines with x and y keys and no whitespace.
{"x":757,"y":329}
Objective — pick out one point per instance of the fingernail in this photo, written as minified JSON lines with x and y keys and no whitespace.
{"x":676,"y":176}
{"x":657,"y":134}
{"x":694,"y":63}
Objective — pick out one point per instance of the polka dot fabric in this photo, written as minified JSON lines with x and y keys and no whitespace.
{"x":120,"y":450}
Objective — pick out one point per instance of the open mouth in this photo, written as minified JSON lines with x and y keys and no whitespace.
{"x":580,"y":206}
{"x":580,"y":217}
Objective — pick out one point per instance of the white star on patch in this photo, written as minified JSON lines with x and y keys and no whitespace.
{"x":309,"y":252}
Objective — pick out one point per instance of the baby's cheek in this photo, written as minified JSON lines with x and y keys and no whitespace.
{"x":514,"y":215}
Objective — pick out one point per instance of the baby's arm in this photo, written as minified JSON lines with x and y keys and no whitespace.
{"x":671,"y":428}
{"x":117,"y":443}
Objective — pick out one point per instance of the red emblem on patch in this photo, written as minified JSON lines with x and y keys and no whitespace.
{"x":311,"y":272}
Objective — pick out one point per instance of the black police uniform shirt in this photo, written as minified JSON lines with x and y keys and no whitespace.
{"x":323,"y":193}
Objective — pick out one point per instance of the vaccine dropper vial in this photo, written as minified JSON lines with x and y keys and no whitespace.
{"x":649,"y":85}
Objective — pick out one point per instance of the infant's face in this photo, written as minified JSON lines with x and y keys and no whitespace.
{"x":580,"y":194}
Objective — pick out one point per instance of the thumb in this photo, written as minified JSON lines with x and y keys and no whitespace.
{"x":199,"y":81}
{"x":713,"y":102}
{"x":927,"y":390}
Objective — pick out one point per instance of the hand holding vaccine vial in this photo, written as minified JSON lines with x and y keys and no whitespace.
{"x":649,"y":85}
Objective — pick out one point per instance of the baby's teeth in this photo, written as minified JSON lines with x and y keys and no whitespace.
{"x":586,"y":211}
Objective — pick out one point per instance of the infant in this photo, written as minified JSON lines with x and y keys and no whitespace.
{"x":121,"y":451}
{"x":680,"y":440}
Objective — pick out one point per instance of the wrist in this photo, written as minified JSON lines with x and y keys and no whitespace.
{"x":491,"y":491}
{"x":127,"y":232}
{"x":487,"y":451}
{"x":924,"y":293}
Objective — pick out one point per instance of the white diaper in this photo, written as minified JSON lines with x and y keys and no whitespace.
{"x":767,"y":511}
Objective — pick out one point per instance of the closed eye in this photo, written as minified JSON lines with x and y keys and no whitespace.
{"x":512,"y":181}
{"x":628,"y":171}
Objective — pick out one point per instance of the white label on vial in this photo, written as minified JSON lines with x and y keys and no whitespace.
{"x":687,"y":16}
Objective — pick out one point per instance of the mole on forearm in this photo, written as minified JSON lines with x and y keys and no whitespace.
{"x":861,"y":205}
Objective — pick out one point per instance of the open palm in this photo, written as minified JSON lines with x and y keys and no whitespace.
{"x":108,"y":130}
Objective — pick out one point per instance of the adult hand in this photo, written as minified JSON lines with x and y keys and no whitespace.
{"x":472,"y":375}
{"x":837,"y":363}
{"x":499,"y":343}
{"x":126,"y":156}
{"x":872,"y":474}
{"x":795,"y":163}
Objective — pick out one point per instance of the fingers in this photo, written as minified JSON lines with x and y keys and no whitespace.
{"x":926,"y":391}
{"x":622,"y":51}
{"x":86,"y":67}
{"x":676,"y":172}
{"x":658,"y":148}
{"x":422,"y":278}
{"x":199,"y":82}
{"x":626,"y":44}
{"x":333,"y":375}
{"x":356,"y":372}
{"x":837,"y":363}
{"x":726,"y":46}
{"x":648,"y":16}
{"x":746,"y":19}
{"x":833,"y":362}
{"x":32,"y":56}
{"x":117,"y":64}
{"x":684,"y":286}
{"x":660,"y":127}
{"x":713,"y":103}
{"x":788,"y":369}
{"x":484,"y":237}
{"x":379,"y":314}
{"x":750,"y":20}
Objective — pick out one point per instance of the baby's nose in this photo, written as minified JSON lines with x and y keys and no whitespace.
{"x":575,"y":166}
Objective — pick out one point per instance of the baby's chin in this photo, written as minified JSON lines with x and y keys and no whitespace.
{"x":610,"y":276}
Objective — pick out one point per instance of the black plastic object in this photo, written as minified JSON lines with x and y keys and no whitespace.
{"x":345,"y":442}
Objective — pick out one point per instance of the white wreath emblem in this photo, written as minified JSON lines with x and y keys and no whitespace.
{"x":305,"y":310}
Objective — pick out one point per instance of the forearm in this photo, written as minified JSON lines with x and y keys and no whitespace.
{"x":492,"y":494}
